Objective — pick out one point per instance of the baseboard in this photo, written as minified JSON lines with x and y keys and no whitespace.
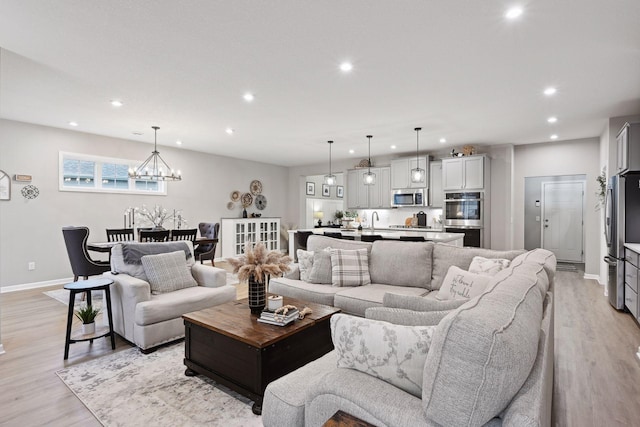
{"x":34,"y":285}
{"x":595,"y":277}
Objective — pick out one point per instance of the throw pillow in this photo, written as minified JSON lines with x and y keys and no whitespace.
{"x":460,"y":284}
{"x":393,"y":353}
{"x":167,"y":272}
{"x":321,"y":269}
{"x":349,"y":267}
{"x":488,"y":266}
{"x":305,"y":263}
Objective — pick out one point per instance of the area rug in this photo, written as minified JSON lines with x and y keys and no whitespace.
{"x":129,"y":388}
{"x":62,"y":295}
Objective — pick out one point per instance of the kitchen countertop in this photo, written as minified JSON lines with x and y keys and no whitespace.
{"x":635,"y":247}
{"x":391,"y":233}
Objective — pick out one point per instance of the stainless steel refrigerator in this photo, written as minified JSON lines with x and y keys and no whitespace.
{"x":622,"y":224}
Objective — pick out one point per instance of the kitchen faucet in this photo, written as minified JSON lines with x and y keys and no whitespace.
{"x":373,"y":219}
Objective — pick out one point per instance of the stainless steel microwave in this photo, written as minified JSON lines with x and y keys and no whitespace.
{"x":408,"y":197}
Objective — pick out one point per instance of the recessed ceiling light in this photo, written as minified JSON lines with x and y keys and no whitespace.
{"x":138,"y":133}
{"x":74,"y":124}
{"x":442,"y":140}
{"x":178,"y":142}
{"x":346,"y":67}
{"x":393,"y":147}
{"x":552,"y":119}
{"x":249,"y":97}
{"x":352,"y":151}
{"x":116,"y":103}
{"x":229,"y":131}
{"x":554,"y":136}
{"x":550,"y":91}
{"x":513,"y":13}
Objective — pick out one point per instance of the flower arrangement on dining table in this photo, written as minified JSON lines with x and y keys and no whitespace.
{"x":159,"y":215}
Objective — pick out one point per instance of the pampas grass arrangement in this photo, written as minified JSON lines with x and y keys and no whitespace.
{"x":258,"y":262}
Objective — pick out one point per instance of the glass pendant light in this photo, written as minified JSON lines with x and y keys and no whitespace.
{"x":330,"y":179}
{"x":369,"y":178}
{"x":417,"y":174}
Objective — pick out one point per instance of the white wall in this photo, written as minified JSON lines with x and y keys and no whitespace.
{"x":574,"y":157}
{"x":30,"y":230}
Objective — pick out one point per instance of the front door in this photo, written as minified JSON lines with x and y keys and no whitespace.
{"x":562,"y":219}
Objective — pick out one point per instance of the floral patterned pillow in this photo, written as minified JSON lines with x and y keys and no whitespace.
{"x":393,"y":353}
{"x":488,"y":266}
{"x":305,"y":263}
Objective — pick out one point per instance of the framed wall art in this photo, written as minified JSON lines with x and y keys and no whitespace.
{"x":5,"y":186}
{"x":340,"y":191}
{"x":311,"y":188}
{"x":326,"y":191}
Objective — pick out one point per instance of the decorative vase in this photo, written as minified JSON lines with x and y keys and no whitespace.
{"x":257,"y":295}
{"x":89,"y":328}
{"x":244,"y":213}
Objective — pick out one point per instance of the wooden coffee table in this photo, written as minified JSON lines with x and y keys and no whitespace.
{"x":228,"y":344}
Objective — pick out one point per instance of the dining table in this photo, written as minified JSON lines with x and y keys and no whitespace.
{"x":106,"y":246}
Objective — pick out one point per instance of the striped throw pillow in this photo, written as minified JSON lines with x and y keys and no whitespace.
{"x":349,"y":267}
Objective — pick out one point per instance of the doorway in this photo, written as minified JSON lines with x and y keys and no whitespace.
{"x":562,"y":225}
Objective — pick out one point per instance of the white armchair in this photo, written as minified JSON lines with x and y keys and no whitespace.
{"x":149,"y":320}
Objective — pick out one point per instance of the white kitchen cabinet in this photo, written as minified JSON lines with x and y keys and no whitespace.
{"x":463,"y":173}
{"x":380,"y":193}
{"x":401,"y":172}
{"x":236,"y":232}
{"x":361,"y":196}
{"x":628,"y":140}
{"x":436,"y":195}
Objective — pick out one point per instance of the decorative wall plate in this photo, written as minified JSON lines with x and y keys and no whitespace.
{"x":231,"y":205}
{"x":261,"y":202}
{"x":235,"y":196}
{"x":247,"y":200}
{"x":255,"y":187}
{"x":30,"y":192}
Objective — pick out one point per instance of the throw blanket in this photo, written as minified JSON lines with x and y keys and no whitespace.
{"x":132,"y":253}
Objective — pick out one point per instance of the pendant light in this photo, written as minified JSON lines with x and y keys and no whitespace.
{"x":369,"y":178}
{"x":330,"y":179}
{"x":417,"y":174}
{"x":155,"y":168}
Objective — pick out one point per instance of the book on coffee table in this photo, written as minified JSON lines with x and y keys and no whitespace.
{"x":272,"y":318}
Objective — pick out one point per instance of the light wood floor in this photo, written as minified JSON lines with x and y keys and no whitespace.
{"x":597,"y":376}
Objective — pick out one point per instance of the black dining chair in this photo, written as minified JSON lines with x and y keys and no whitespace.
{"x":82,"y":265}
{"x":120,"y":235}
{"x":302,"y":237}
{"x":370,"y":238}
{"x":333,"y":235}
{"x":184,"y":234}
{"x":154,"y":235}
{"x":206,"y":251}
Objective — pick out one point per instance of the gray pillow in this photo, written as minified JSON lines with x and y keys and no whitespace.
{"x":167,"y":272}
{"x":321,"y":269}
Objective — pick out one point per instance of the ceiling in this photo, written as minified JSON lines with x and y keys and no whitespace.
{"x":457,"y":68}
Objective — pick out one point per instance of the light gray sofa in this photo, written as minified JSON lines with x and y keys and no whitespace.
{"x":406,"y":268}
{"x":490,"y":361}
{"x":149,"y":320}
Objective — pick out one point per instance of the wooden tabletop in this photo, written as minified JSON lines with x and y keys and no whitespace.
{"x":234,"y":319}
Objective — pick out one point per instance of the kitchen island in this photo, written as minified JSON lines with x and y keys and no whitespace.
{"x":386,"y":233}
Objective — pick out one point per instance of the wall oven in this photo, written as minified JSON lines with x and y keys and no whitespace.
{"x":408,"y":197}
{"x":463,"y":213}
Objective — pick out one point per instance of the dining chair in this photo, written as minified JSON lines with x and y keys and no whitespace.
{"x":333,"y":235}
{"x":120,"y":235}
{"x":370,"y":238}
{"x":206,"y":251}
{"x":82,"y":265}
{"x":154,"y":235}
{"x":412,"y":238}
{"x":302,"y":237}
{"x":184,"y":234}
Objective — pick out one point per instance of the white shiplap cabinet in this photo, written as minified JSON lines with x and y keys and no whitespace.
{"x":236,"y":232}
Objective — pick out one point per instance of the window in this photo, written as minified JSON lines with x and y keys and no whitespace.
{"x":83,"y":172}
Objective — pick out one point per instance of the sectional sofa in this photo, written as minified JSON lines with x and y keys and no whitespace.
{"x":489,"y":359}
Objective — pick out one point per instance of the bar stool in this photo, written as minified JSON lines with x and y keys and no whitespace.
{"x":100,"y":284}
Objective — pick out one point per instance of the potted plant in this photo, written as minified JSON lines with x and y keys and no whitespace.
{"x":255,"y":267}
{"x":87,"y":316}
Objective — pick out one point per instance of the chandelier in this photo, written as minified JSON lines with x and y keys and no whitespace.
{"x":155,"y":168}
{"x":331,"y":178}
{"x":369,"y":177}
{"x":417,"y":174}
